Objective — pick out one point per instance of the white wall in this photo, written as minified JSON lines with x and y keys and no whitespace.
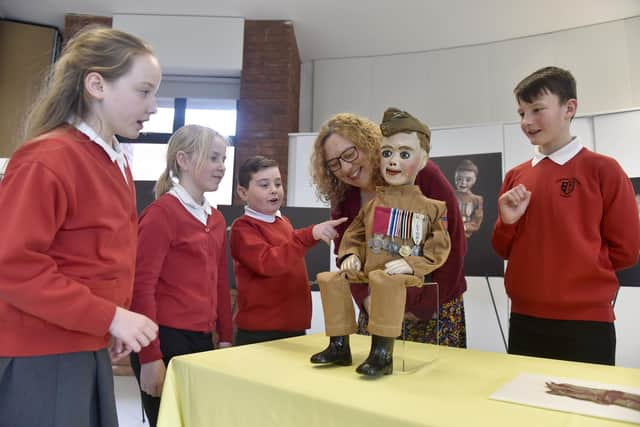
{"x":617,"y":136}
{"x":473,"y":85}
{"x":190,"y":45}
{"x":300,"y":190}
{"x":613,"y":134}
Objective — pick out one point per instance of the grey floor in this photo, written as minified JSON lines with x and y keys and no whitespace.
{"x":128,"y":402}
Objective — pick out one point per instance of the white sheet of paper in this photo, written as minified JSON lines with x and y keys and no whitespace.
{"x":530,"y":389}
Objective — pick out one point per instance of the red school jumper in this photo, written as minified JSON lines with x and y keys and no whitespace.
{"x":271,"y":275}
{"x":581,"y":226}
{"x":68,"y":246}
{"x":181,"y":272}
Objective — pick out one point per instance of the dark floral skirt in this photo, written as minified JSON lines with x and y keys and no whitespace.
{"x":450,"y":330}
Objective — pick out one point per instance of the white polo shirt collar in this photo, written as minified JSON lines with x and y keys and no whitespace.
{"x":561,"y":156}
{"x":115,"y":153}
{"x":200,"y":211}
{"x":261,"y":216}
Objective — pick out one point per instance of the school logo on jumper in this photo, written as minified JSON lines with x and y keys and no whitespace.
{"x":567,"y":185}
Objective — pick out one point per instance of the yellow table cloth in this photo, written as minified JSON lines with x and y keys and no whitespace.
{"x":274,"y":384}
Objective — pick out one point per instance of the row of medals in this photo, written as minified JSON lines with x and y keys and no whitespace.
{"x":380,"y":243}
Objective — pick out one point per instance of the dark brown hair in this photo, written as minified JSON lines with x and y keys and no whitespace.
{"x":552,"y":80}
{"x":251,"y":166}
{"x":467,"y":165}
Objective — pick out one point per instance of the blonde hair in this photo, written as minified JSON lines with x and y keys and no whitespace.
{"x":194,"y":140}
{"x":367,"y":138}
{"x":105,"y":51}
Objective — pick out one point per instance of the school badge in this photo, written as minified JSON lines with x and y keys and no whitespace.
{"x":567,"y":185}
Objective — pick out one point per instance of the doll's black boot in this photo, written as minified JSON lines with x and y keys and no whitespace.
{"x":380,"y":360}
{"x":338,"y":352}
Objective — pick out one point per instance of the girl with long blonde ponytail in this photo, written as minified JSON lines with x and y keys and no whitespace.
{"x":181,"y":268}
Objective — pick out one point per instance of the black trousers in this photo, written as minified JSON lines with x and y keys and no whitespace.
{"x":173,"y":342}
{"x":59,"y":390}
{"x":244,"y":337}
{"x":573,"y":340}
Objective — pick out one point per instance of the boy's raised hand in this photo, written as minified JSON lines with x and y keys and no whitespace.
{"x":513,"y":204}
{"x":326,"y":231}
{"x":132,"y":329}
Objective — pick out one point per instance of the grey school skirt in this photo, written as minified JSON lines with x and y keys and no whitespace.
{"x":62,"y":390}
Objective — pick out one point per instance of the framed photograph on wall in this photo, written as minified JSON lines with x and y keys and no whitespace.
{"x":477,"y":179}
{"x":631,"y":276}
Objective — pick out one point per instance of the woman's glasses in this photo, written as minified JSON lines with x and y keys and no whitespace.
{"x":349,"y":155}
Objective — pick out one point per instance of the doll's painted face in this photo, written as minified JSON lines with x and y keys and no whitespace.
{"x":464,"y":180}
{"x":401,"y":158}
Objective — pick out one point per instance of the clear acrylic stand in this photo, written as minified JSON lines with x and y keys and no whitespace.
{"x":405,"y":363}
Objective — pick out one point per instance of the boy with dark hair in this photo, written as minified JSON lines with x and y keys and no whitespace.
{"x":567,"y":222}
{"x":274,"y":297}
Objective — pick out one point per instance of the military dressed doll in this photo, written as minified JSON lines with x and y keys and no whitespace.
{"x":397,"y":238}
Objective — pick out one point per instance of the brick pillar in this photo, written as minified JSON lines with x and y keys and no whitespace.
{"x":74,"y":23}
{"x":269,"y":93}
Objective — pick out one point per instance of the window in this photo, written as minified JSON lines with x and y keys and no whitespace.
{"x":147,"y":155}
{"x":216,"y":114}
{"x":162,"y":121}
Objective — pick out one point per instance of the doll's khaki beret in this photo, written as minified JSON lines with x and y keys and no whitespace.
{"x":395,"y":121}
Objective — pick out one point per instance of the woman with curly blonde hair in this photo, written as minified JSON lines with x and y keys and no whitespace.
{"x":346,"y":129}
{"x":344,"y":168}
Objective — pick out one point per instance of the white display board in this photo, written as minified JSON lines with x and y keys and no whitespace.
{"x":300,"y":190}
{"x":3,"y":165}
{"x":618,"y":135}
{"x":466,"y":140}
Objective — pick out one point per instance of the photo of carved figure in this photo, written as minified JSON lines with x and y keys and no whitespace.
{"x":631,"y":276}
{"x":476,"y":179}
{"x":470,"y":204}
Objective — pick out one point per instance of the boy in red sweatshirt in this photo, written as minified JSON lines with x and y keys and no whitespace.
{"x":567,"y":221}
{"x":274,"y":298}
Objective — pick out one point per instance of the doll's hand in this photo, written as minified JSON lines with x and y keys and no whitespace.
{"x":398,"y":266}
{"x":352,"y":262}
{"x":326,"y":231}
{"x":410,"y":316}
{"x":513,"y":204}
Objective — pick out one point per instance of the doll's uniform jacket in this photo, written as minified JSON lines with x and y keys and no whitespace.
{"x":434,"y":243}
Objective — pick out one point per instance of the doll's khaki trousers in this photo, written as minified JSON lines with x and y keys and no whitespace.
{"x":388,"y":297}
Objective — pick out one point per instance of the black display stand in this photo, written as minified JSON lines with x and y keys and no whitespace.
{"x":495,"y":310}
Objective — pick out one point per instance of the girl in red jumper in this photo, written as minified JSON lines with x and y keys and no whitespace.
{"x":181,"y":267}
{"x":67,"y":203}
